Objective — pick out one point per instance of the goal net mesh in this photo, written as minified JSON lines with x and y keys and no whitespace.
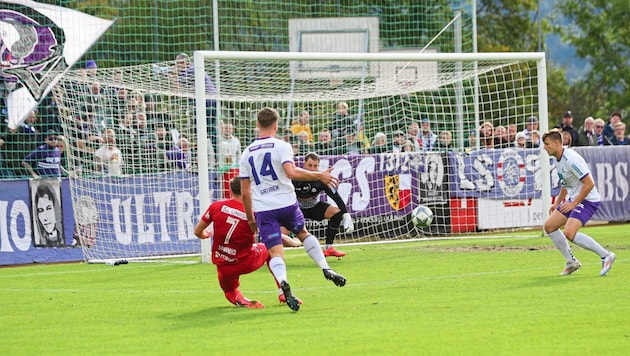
{"x":398,"y":133}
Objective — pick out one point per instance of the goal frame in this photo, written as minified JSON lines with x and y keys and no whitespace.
{"x":200,"y":58}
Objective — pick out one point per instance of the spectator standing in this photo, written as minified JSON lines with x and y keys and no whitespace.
{"x":567,"y":126}
{"x":511,"y":132}
{"x":534,"y":140}
{"x":179,"y":155}
{"x":501,"y":137}
{"x":407,"y":146}
{"x":379,"y":144}
{"x":230,"y":146}
{"x":520,"y":141}
{"x":91,"y":68}
{"x":341,"y":122}
{"x":530,"y":125}
{"x":413,"y":135}
{"x":427,"y":136}
{"x":108,"y":157}
{"x":397,"y":142}
{"x":445,"y":142}
{"x":586,"y":133}
{"x":567,"y":140}
{"x":609,"y":129}
{"x":45,"y":160}
{"x":471,"y":139}
{"x":600,"y":138}
{"x":619,"y":138}
{"x":486,"y":135}
{"x":304,"y":145}
{"x":325,"y":146}
{"x":303,"y":124}
{"x":349,"y":144}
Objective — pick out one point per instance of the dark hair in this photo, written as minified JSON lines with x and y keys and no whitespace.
{"x":45,"y":190}
{"x":553,"y":135}
{"x":311,"y":155}
{"x":267,"y":117}
{"x":235,"y":186}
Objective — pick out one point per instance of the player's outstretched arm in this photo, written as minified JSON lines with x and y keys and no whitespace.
{"x":297,"y":173}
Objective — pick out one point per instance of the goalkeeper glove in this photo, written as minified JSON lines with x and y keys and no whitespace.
{"x":348,"y":225}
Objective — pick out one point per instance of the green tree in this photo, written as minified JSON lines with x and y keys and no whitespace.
{"x":600,"y":34}
{"x":511,"y":26}
{"x":507,"y":25}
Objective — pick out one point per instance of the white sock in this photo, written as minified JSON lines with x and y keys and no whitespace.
{"x":314,"y":251}
{"x":327,"y":246}
{"x":587,"y":242}
{"x":278,"y":268}
{"x":561,"y":243}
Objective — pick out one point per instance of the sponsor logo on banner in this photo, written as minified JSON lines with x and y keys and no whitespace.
{"x":511,"y":172}
{"x":398,"y":190}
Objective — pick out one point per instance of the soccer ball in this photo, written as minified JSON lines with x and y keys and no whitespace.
{"x":421,"y":216}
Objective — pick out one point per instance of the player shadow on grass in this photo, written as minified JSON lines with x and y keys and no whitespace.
{"x":217,"y":315}
{"x":551,"y":280}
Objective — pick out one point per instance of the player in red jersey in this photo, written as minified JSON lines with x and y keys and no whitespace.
{"x":233,"y":248}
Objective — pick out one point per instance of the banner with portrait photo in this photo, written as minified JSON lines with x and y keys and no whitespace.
{"x":47,"y":213}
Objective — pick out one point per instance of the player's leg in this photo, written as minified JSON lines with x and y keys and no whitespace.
{"x":321,"y":211}
{"x":269,"y":223}
{"x":578,"y":218}
{"x":334,"y":216}
{"x":552,"y":229}
{"x":229,"y":281}
{"x":295,"y":223}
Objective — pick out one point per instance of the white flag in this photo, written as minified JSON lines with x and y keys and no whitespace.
{"x":39,"y":43}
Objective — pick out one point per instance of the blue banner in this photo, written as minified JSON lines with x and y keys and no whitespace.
{"x":498,"y":174}
{"x":17,"y":230}
{"x":158,"y":212}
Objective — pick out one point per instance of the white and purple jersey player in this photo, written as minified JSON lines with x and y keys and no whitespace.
{"x":572,"y":168}
{"x":273,"y":196}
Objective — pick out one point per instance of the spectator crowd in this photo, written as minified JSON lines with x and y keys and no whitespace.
{"x":116,"y":131}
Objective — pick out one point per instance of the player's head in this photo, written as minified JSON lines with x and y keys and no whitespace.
{"x":235,"y":186}
{"x":311,"y":162}
{"x":267,"y":118}
{"x":552,"y":141}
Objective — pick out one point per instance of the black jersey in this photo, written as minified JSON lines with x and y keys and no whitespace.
{"x":307,"y":191}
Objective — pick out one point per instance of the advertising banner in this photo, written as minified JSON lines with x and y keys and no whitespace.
{"x":379,"y":190}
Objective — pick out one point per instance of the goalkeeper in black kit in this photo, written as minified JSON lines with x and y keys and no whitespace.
{"x":314,"y":209}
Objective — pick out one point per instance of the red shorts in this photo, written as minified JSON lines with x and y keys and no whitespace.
{"x":230,"y":272}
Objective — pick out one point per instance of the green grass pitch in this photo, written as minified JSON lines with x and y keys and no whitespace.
{"x":468,"y":296}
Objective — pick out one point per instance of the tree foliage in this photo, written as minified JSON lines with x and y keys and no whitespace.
{"x":600,"y":34}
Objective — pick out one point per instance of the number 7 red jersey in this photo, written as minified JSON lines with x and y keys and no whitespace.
{"x":232,"y":239}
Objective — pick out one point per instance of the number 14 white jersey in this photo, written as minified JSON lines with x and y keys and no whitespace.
{"x":261,"y":163}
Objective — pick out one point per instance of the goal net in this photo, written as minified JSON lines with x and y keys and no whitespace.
{"x":400,"y":130}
